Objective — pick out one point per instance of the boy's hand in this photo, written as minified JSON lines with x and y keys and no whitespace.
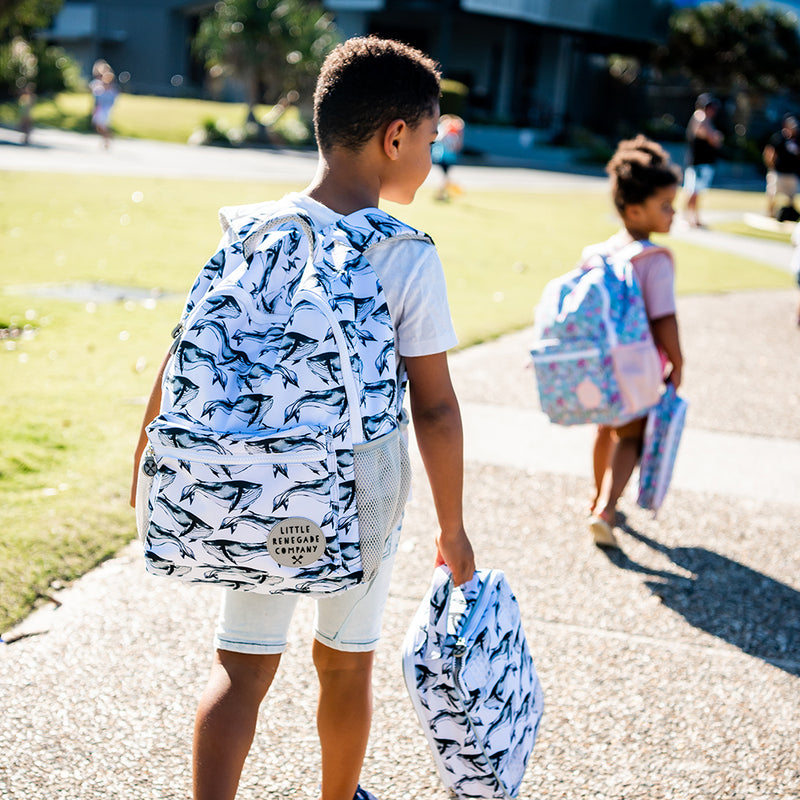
{"x":455,"y":551}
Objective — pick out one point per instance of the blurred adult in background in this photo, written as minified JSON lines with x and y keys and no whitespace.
{"x":782,"y":160}
{"x":27,"y":100}
{"x":704,"y":142}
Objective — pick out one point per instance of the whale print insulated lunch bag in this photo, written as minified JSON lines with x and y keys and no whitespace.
{"x":473,"y":684}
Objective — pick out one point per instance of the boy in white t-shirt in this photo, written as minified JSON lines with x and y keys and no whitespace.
{"x":643,"y":185}
{"x":374,"y":142}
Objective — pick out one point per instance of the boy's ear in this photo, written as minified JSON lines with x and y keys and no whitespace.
{"x":392,"y":137}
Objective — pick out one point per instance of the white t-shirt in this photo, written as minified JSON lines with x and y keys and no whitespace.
{"x":410,"y":273}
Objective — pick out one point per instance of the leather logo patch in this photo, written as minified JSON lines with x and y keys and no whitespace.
{"x":296,"y":542}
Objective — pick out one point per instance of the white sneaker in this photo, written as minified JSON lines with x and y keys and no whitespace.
{"x":602,"y":532}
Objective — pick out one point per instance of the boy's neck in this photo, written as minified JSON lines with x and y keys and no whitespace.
{"x":345,"y":182}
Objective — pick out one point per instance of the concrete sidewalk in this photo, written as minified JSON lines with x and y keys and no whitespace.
{"x":671,"y":668}
{"x":746,"y":467}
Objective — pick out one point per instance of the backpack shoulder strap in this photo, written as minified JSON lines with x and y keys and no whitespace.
{"x":637,"y":249}
{"x":369,"y":227}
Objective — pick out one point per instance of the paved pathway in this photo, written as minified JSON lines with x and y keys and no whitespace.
{"x":60,"y":151}
{"x":671,"y":668}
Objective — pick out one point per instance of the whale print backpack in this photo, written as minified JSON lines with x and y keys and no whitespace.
{"x":594,"y":356}
{"x":473,"y":684}
{"x":276,"y":462}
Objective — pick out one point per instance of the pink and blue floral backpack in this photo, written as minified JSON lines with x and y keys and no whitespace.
{"x":594,"y":356}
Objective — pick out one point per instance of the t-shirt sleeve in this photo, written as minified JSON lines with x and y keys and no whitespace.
{"x":413,"y":281}
{"x":656,"y":275}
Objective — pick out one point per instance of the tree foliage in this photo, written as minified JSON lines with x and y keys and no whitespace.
{"x":22,"y":17}
{"x":27,"y":61}
{"x":274,"y":46}
{"x":729,"y":48}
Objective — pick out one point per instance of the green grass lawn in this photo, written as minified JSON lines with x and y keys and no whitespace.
{"x":167,"y":119}
{"x":74,"y":383}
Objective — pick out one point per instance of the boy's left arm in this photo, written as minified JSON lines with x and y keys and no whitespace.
{"x":666,"y":336}
{"x":151,"y":411}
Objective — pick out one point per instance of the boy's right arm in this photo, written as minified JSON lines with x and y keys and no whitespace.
{"x":151,"y":411}
{"x":437,"y":424}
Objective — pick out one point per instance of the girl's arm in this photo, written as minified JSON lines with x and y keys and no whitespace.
{"x":665,"y":334}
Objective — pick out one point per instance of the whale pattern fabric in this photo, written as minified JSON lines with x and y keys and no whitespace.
{"x":473,"y":684}
{"x":276,"y":460}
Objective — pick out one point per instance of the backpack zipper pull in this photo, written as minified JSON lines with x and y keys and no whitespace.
{"x":149,"y":465}
{"x":177,"y":332}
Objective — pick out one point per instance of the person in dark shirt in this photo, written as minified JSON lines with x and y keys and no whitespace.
{"x":704,"y":143}
{"x":782,"y":160}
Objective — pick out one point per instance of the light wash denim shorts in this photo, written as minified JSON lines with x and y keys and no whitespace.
{"x":348,"y":620}
{"x":698,"y":179}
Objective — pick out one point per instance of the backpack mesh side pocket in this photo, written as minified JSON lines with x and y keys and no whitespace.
{"x":383,"y":479}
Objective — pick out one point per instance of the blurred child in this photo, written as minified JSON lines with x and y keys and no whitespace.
{"x":704,"y":143}
{"x":445,"y":151}
{"x":27,"y":100}
{"x":643,"y":185}
{"x":795,"y":265}
{"x":105,"y":91}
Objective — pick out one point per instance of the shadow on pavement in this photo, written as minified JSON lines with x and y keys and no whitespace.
{"x":32,"y":145}
{"x":750,"y":610}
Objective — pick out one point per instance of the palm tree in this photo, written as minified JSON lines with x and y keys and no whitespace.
{"x":273,"y":46}
{"x":731,"y":48}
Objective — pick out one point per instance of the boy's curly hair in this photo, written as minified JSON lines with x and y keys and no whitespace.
{"x":368,"y":81}
{"x":638,"y":169}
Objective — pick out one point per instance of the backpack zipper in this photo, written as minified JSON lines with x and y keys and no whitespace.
{"x":459,"y":651}
{"x":293,"y":457}
{"x":590,"y":352}
{"x":475,"y":613}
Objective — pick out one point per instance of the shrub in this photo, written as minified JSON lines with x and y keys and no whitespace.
{"x":454,"y":97}
{"x":47,"y":68}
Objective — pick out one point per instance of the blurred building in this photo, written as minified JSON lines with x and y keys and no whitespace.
{"x":148,"y":43}
{"x":532,"y":63}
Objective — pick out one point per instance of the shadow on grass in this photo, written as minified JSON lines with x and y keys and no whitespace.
{"x":750,"y":610}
